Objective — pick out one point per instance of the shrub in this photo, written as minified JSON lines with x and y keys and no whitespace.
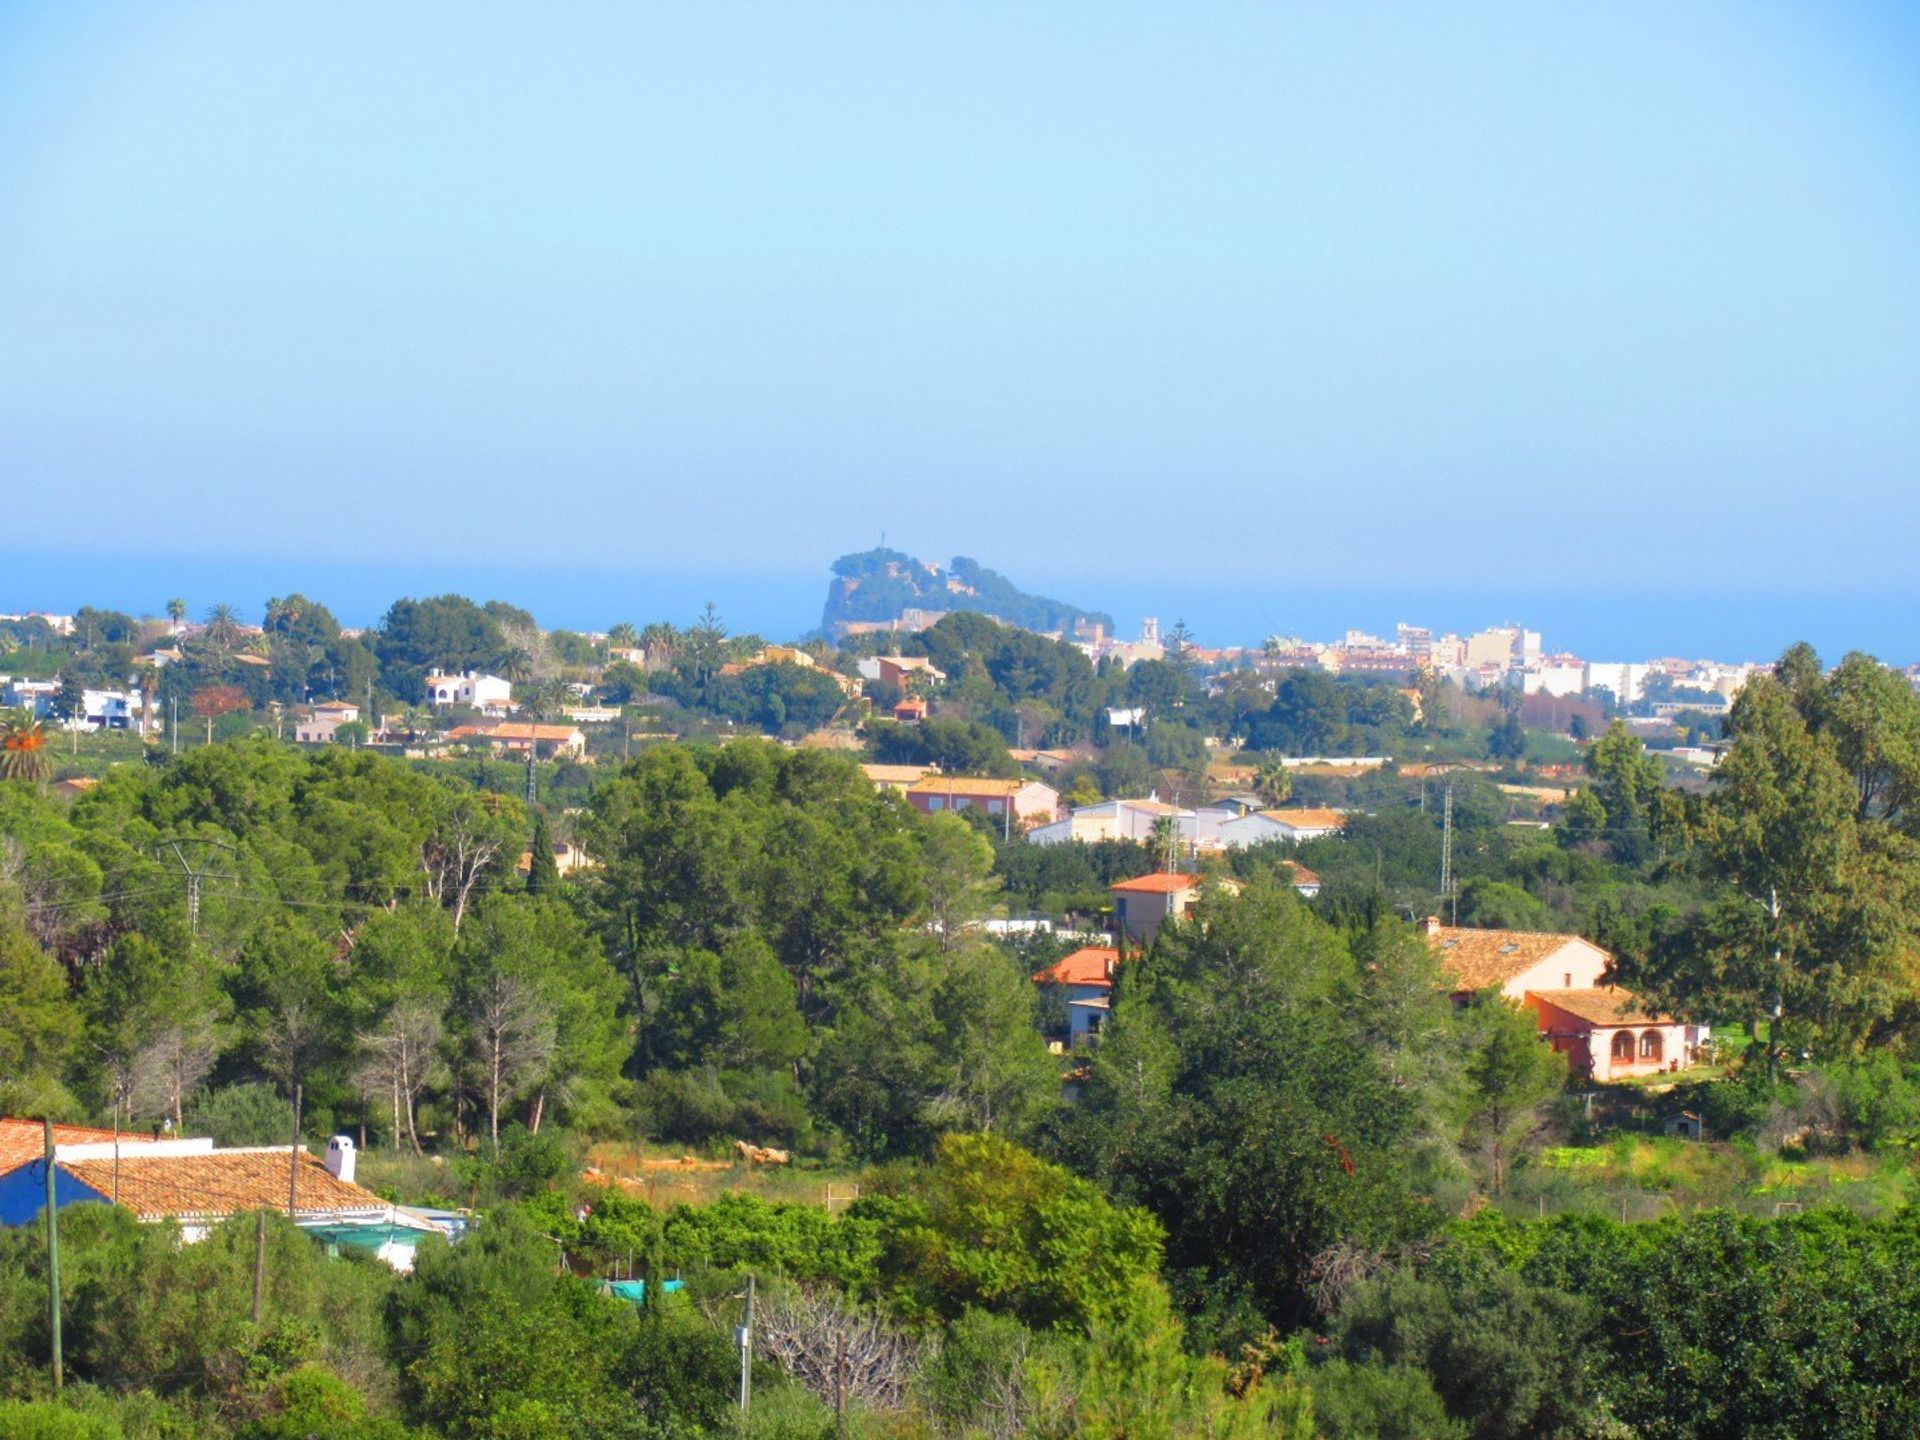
{"x":242,"y":1115}
{"x":1380,"y":1402}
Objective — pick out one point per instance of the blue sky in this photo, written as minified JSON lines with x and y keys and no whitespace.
{"x":1618,"y":299}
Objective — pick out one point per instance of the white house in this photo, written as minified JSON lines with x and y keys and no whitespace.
{"x":318,"y":725}
{"x":1290,"y":825}
{"x":196,"y":1185}
{"x":1109,"y":820}
{"x":482,"y":692}
{"x":1087,"y":978}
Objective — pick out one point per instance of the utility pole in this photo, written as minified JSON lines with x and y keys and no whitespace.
{"x":173,"y":728}
{"x":744,"y":1335}
{"x":1446,"y":855}
{"x":53,"y":1265}
{"x":533,"y":764}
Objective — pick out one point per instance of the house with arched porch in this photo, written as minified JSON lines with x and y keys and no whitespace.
{"x":1603,"y":1030}
{"x":1607,"y":1034}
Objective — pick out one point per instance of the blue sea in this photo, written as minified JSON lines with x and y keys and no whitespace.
{"x":1597,"y":624}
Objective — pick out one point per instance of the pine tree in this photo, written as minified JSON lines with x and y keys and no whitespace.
{"x":543,"y":875}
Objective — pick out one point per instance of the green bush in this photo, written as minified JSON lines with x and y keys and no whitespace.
{"x":988,"y":1224}
{"x":1380,"y":1402}
{"x":46,"y":1420}
{"x":1879,"y":1100}
{"x":242,"y":1115}
{"x":802,"y":1242}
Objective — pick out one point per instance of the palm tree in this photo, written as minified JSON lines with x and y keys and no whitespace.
{"x":623,"y":636}
{"x":1163,"y":840}
{"x":549,"y":701}
{"x":23,"y":748}
{"x":516,"y":665}
{"x":661,"y":642}
{"x":223,"y":627}
{"x":176,"y":612}
{"x":148,"y":679}
{"x":1273,"y":783}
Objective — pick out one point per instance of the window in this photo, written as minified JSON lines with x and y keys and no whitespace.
{"x":1623,"y":1045}
{"x":1651,"y":1046}
{"x":1566,"y":980}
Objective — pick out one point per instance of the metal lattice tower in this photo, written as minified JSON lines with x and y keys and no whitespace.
{"x":1446,"y":852}
{"x":195,"y":874}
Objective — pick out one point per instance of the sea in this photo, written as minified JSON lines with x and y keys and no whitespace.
{"x":1597,"y":622}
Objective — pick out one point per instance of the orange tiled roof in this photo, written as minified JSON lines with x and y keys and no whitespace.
{"x":1607,"y":1005}
{"x":1089,"y":965}
{"x":222,"y":1182}
{"x":1479,"y":958}
{"x":1158,"y":884}
{"x":964,"y":785}
{"x":514,"y":730}
{"x":23,"y":1140}
{"x":894,"y":774}
{"x":1301,"y":875}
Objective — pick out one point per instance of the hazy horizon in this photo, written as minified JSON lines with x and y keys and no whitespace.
{"x":1697,"y":624}
{"x":1266,"y":303}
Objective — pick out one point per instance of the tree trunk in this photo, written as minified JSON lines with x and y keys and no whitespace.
{"x":539,"y":1109}
{"x":493,"y":1097}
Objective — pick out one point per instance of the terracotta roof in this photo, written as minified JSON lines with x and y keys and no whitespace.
{"x":1157,"y":884}
{"x":1301,"y":875}
{"x":894,"y":774}
{"x":515,"y":730}
{"x":1479,"y":958}
{"x":1608,"y":1005}
{"x":1306,"y":819}
{"x":222,"y":1182}
{"x":1089,"y":965}
{"x":965,"y":785}
{"x":22,"y":1140}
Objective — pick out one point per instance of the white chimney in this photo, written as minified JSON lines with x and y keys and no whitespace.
{"x":340,"y":1158}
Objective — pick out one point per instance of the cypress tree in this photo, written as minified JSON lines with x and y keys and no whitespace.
{"x":543,"y":875}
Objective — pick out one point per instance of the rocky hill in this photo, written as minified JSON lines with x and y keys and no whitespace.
{"x":886,"y":589}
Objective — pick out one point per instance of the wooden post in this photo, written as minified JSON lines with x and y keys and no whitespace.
{"x":53,"y":1265}
{"x":746,"y":1351}
{"x":840,"y":1384}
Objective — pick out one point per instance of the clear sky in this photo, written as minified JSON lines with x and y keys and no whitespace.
{"x":1615,"y":298}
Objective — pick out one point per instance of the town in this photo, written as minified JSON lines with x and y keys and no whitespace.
{"x":959,"y":722}
{"x":391,"y":934}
